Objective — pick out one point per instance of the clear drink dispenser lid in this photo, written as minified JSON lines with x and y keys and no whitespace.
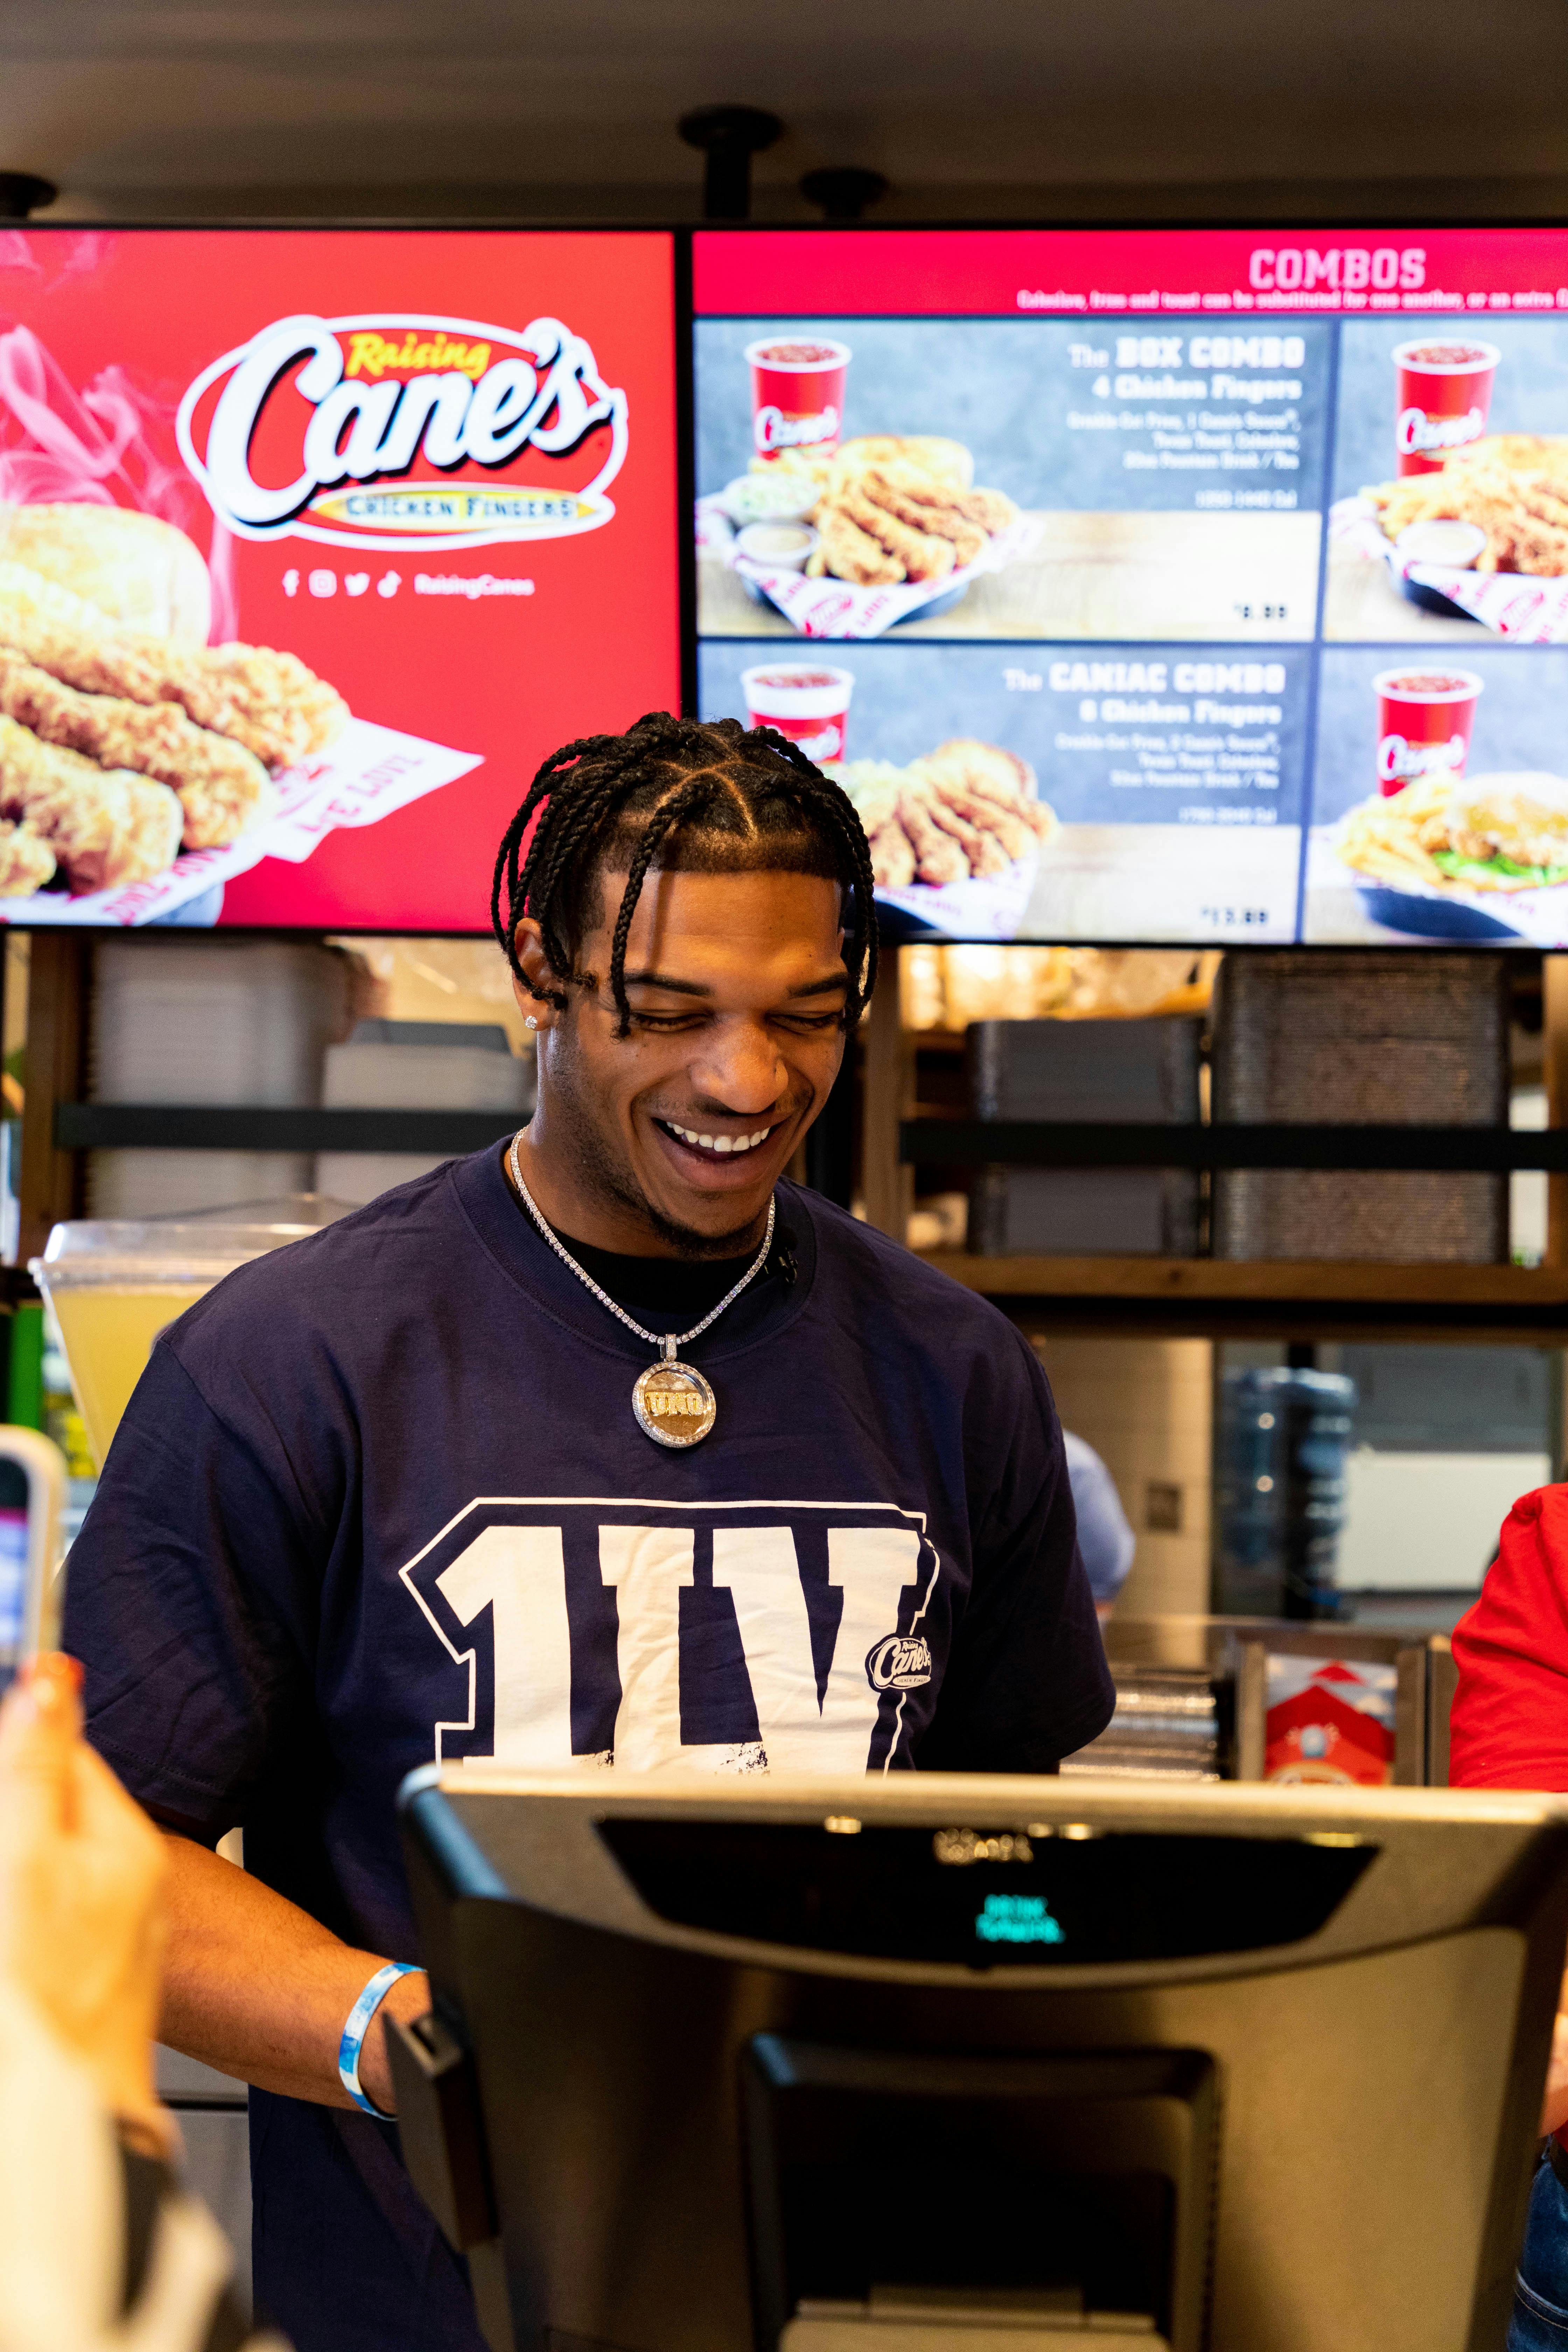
{"x":193,"y":1247}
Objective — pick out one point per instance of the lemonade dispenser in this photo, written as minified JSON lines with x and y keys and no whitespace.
{"x":114,"y":1285}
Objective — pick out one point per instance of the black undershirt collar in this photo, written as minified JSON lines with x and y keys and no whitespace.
{"x":681,"y":1287}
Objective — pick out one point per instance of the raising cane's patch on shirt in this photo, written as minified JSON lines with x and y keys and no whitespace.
{"x":381,"y":1499}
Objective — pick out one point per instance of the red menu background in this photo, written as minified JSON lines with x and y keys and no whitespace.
{"x":511,"y":677}
{"x":1109,"y":273}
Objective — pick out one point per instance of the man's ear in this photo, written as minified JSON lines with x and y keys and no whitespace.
{"x":543,"y":999}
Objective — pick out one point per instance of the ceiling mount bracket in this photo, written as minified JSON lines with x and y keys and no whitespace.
{"x":844,"y":192}
{"x":729,"y":136}
{"x":21,"y":193}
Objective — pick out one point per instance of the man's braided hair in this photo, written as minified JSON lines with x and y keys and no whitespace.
{"x":676,"y":795}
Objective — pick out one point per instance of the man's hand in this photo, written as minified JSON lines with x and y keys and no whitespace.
{"x":82,"y":1880}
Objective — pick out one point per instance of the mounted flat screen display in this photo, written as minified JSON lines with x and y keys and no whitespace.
{"x":1208,"y":588}
{"x":313,"y":543}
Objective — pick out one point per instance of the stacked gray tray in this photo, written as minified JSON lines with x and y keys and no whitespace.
{"x":1398,"y":1039}
{"x":1167,"y":1727}
{"x":1144,"y":1073}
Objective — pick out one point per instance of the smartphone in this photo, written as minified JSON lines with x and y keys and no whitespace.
{"x":32,"y":1578}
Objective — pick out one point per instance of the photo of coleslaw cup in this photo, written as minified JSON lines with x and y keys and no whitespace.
{"x":1425,"y":720}
{"x":804,"y":700}
{"x":797,"y":394}
{"x":1444,"y":396}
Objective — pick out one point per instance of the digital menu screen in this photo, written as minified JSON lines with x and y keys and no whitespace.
{"x":1204,"y":587}
{"x":313,"y":544}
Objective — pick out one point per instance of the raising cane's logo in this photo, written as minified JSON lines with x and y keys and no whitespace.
{"x":399,"y":430}
{"x":898,"y":1662}
{"x":1419,"y":434}
{"x":1398,"y":759}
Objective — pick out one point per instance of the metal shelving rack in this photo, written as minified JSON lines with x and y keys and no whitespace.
{"x":1212,"y":1297}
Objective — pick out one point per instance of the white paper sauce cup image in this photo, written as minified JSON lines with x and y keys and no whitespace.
{"x":779,"y":546}
{"x":804,"y":700}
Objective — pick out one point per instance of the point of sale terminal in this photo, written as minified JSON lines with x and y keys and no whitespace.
{"x":905,"y":2064}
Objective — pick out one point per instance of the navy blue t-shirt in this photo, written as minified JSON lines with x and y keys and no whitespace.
{"x":380,"y":1499}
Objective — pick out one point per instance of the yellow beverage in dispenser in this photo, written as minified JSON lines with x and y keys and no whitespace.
{"x":108,"y":1333}
{"x":114,"y":1284}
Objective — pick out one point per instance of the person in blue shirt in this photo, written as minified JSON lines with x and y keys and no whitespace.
{"x":606,"y":1449}
{"x":1105,"y":1538}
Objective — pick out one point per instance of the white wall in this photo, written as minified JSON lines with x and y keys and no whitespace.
{"x":1429,"y":1522}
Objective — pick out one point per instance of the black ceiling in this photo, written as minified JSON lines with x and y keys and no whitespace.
{"x":1114,"y":106}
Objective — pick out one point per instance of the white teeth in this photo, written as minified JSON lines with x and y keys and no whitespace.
{"x":719,"y":1143}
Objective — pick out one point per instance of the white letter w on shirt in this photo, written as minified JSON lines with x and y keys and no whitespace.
{"x":871,"y":1566}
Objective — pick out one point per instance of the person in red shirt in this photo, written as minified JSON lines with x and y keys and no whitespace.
{"x":1509,"y":1730}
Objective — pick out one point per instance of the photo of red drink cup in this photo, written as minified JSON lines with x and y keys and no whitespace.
{"x":1424,"y":723}
{"x":797,"y":394}
{"x":1445,"y":395}
{"x":804,"y":700}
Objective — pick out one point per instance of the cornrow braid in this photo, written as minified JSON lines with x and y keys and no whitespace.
{"x":704,"y":795}
{"x":682,"y":803}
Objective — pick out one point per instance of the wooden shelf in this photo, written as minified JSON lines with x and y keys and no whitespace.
{"x":1130,"y":1143}
{"x":216,"y":1127}
{"x":1213,"y":1298}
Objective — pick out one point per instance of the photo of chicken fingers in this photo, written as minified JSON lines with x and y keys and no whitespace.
{"x":1007,"y":828}
{"x":938,"y":858}
{"x":105,"y":827}
{"x":26,"y":861}
{"x":935,"y":516}
{"x":983,"y":846}
{"x":987,"y":774}
{"x":923,"y":556}
{"x":1034,"y":816}
{"x":966,"y":811}
{"x":893,"y":856}
{"x":873,"y":785}
{"x":268,"y":701}
{"x":222,"y":788}
{"x":993,"y":511}
{"x":852,"y":554}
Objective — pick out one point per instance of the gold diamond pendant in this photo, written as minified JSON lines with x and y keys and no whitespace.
{"x":674,"y":1403}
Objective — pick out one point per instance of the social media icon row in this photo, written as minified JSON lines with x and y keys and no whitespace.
{"x":322,"y":582}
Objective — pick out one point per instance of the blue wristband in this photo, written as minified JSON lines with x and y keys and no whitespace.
{"x":355,"y":2027}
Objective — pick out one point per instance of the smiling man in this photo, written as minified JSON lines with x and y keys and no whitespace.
{"x":611,"y":1448}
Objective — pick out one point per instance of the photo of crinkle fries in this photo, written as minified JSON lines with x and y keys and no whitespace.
{"x":1382,"y":837}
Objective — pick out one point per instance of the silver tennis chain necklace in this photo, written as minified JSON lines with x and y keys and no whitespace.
{"x":673,"y":1404}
